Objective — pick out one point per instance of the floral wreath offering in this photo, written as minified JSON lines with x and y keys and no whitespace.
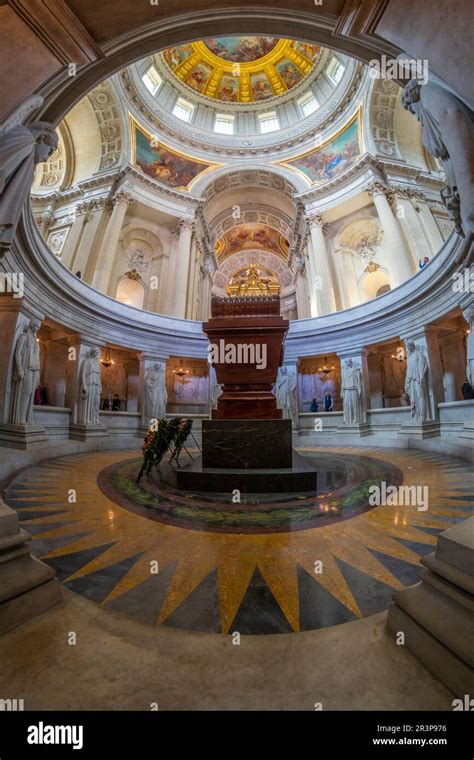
{"x":159,"y":440}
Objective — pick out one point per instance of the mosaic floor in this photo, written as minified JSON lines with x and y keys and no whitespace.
{"x":196,"y":576}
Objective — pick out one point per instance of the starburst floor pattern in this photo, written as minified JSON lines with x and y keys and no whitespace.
{"x":253,"y":583}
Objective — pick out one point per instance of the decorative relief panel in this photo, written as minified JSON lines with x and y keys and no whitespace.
{"x":107,"y":111}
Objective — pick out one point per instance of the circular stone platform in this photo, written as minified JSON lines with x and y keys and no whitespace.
{"x":344,"y":481}
{"x":264,"y":580}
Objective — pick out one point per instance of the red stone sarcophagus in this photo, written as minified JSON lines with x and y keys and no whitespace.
{"x":246,"y":337}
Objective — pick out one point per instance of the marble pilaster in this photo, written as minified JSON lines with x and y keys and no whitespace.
{"x":107,"y":252}
{"x":399,"y":260}
{"x":322,"y":282}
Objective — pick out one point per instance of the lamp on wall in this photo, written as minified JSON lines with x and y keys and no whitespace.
{"x":399,"y":354}
{"x":107,"y":360}
{"x":180,"y":371}
{"x":326,"y":369}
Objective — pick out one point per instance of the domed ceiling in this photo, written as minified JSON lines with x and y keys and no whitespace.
{"x":242,"y":69}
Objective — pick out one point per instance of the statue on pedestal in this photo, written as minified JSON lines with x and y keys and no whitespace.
{"x":21,"y":148}
{"x":353,"y":403}
{"x":469,"y":317}
{"x":90,"y":389}
{"x":448,"y":134}
{"x":155,"y":394}
{"x":416,"y":382}
{"x":26,"y":374}
{"x":215,"y":388}
{"x":286,"y":396}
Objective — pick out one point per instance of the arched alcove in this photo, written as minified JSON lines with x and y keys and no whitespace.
{"x":130,"y":292}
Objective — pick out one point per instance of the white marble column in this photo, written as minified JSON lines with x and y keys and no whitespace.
{"x":432,"y":231}
{"x":302,"y":299}
{"x":181,"y":268}
{"x":322,"y":280}
{"x":108,"y":249}
{"x":399,"y":261}
{"x":411,"y":225}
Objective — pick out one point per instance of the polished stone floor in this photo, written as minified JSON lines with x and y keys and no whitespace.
{"x":211,"y":581}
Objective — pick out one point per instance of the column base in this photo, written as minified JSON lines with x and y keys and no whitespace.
{"x":23,"y":436}
{"x":468,"y":431}
{"x":78,"y":432}
{"x":360,"y":429}
{"x":27,"y":586}
{"x":436,"y":615}
{"x":420,"y":430}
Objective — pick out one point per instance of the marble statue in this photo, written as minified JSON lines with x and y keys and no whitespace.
{"x":215,"y":388}
{"x":447,"y":133}
{"x":26,"y":374}
{"x":155,"y":394}
{"x":416,"y":382}
{"x":353,"y":402}
{"x":468,"y":315}
{"x":21,"y":148}
{"x":286,"y":396}
{"x":90,"y":389}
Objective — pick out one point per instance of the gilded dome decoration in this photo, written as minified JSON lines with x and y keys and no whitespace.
{"x":253,"y":281}
{"x":242,"y":69}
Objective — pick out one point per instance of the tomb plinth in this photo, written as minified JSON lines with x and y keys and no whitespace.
{"x":247,"y":336}
{"x":247,"y":445}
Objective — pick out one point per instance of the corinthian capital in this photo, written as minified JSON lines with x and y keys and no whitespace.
{"x":379,"y":188}
{"x":120,"y":197}
{"x":315,"y":220}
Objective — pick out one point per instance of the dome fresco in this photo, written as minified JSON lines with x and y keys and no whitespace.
{"x":242,"y":69}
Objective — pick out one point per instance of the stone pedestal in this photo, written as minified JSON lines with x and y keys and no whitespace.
{"x":246,"y":443}
{"x":27,"y":586}
{"x":419,"y":430}
{"x":78,"y":432}
{"x":359,"y":429}
{"x":23,"y":436}
{"x":437,"y":614}
{"x":253,"y":456}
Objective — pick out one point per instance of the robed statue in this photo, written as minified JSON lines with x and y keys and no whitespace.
{"x":353,"y":402}
{"x":90,"y":389}
{"x":286,"y":395}
{"x":155,"y":395}
{"x":416,"y":382}
{"x":26,"y":374}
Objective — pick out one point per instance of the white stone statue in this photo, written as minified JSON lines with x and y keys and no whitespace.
{"x":155,"y":394}
{"x":90,"y":389}
{"x":447,"y":133}
{"x":21,"y":148}
{"x":286,"y":395}
{"x":215,"y":388}
{"x":26,"y":374}
{"x":416,"y":382}
{"x":468,"y":315}
{"x":352,"y":393}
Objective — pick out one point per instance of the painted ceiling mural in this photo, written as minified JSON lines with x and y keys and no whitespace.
{"x":163,"y":164}
{"x":242,"y":69}
{"x":252,"y":235}
{"x":332,"y":159}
